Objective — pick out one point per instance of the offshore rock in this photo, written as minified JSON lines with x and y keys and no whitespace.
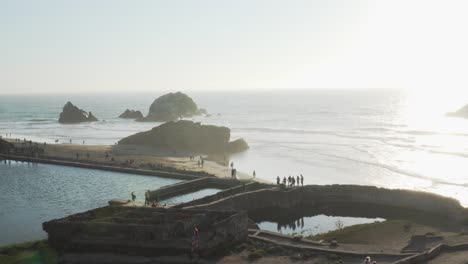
{"x":171,"y":107}
{"x":131,"y":114}
{"x":186,"y":136}
{"x":238,"y":145}
{"x":73,"y":115}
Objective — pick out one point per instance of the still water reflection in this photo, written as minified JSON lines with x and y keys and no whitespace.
{"x":36,"y":193}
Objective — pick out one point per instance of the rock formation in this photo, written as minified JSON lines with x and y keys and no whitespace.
{"x":5,"y":146}
{"x":171,"y":107}
{"x":187,"y":136}
{"x":462,"y":112}
{"x":131,"y":114}
{"x":72,"y":115}
{"x":237,"y":145}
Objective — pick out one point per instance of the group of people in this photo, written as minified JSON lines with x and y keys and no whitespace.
{"x":154,"y":204}
{"x":291,"y":180}
{"x":200,"y":161}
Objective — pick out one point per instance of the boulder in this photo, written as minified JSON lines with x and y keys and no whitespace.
{"x":131,"y":114}
{"x":171,"y":107}
{"x":5,"y":146}
{"x":238,"y":145}
{"x":462,"y":112}
{"x":184,"y":136}
{"x":72,"y":115}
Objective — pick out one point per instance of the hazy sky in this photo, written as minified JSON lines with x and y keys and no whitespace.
{"x":111,"y":45}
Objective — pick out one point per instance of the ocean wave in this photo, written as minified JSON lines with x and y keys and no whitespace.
{"x":282,"y":130}
{"x":41,"y":120}
{"x":397,"y":170}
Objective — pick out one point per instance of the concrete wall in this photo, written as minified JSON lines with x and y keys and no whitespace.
{"x":192,"y":186}
{"x":315,"y":195}
{"x":145,"y":231}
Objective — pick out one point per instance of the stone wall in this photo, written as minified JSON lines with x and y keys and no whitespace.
{"x":192,"y":186}
{"x":145,"y":231}
{"x":315,"y":195}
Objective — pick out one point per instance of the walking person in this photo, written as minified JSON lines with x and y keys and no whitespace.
{"x":302,"y":180}
{"x":278,"y":180}
{"x":133,"y":198}
{"x":202,"y":162}
{"x":297,"y":180}
{"x":147,"y":194}
{"x":253,"y":174}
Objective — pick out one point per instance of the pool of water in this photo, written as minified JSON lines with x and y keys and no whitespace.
{"x":32,"y":194}
{"x":190,"y":196}
{"x":317,"y":224}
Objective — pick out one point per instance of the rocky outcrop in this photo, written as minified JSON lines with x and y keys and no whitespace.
{"x":131,"y":114}
{"x":171,"y":107}
{"x":462,"y":112}
{"x":5,"y":146}
{"x":73,"y":115}
{"x":238,"y":145}
{"x":184,"y":136}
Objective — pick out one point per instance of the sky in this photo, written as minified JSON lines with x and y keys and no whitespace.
{"x":130,"y":46}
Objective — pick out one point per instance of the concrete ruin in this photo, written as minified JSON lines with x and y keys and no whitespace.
{"x":146,"y":231}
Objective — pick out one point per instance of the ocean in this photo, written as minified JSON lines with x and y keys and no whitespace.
{"x":386,"y":138}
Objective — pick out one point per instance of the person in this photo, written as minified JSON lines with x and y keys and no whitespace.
{"x":293,"y":181}
{"x":284,"y":180}
{"x":232,"y":164}
{"x":289,"y":180}
{"x":297,"y":177}
{"x":374,"y":262}
{"x":302,"y":180}
{"x":147,"y":193}
{"x":70,"y":141}
{"x":278,"y":180}
{"x":133,"y":197}
{"x":195,"y":240}
{"x":367,"y":260}
{"x":253,"y":174}
{"x":202,"y":162}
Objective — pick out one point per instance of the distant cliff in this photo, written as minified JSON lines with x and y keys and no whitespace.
{"x":462,"y":112}
{"x":72,"y":115}
{"x":171,"y":107}
{"x":187,"y":136}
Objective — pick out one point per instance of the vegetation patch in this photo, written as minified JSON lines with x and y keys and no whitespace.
{"x":37,"y":252}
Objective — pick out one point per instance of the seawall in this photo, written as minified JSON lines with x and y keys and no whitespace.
{"x":106,"y":167}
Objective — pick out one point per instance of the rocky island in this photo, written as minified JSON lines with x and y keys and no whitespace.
{"x":71,"y":114}
{"x":131,"y":114}
{"x":462,"y":112}
{"x":171,"y":107}
{"x":188,"y":136}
